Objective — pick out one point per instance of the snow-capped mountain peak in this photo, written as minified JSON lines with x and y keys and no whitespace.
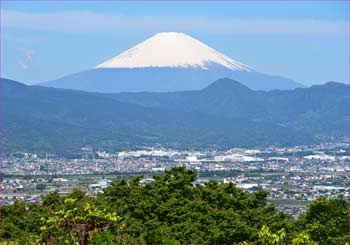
{"x":172,"y":49}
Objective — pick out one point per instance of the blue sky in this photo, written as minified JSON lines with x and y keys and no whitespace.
{"x":301,"y":40}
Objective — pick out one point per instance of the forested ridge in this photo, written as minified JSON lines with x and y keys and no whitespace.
{"x":223,"y":115}
{"x":171,"y":210}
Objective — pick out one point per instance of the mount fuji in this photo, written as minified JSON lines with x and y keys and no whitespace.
{"x":167,"y":62}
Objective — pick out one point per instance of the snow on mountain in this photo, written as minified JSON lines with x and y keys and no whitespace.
{"x":172,"y":49}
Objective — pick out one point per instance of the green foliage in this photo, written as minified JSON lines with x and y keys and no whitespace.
{"x":76,"y":220}
{"x":102,"y":238}
{"x":20,"y":222}
{"x":171,"y":210}
{"x":328,"y":220}
{"x":302,"y":238}
{"x":267,"y":237}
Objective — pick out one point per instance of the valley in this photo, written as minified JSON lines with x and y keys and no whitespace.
{"x":293,"y":176}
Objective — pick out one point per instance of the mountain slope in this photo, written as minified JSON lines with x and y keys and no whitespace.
{"x":43,"y":119}
{"x":168,"y":62}
{"x":321,"y":109}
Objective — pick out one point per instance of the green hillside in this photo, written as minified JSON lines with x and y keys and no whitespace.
{"x":39,"y":119}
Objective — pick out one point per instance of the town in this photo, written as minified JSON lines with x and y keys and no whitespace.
{"x":293,"y":176}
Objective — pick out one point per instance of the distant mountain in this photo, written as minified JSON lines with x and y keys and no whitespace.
{"x":320,"y":110}
{"x":41,"y":119}
{"x":168,"y":62}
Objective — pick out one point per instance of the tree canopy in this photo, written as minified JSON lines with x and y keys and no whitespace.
{"x":173,"y":209}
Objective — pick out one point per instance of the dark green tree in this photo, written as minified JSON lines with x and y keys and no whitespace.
{"x":327,"y":220}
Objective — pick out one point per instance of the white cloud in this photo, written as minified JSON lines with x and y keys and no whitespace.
{"x":25,"y":57}
{"x":91,"y":21}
